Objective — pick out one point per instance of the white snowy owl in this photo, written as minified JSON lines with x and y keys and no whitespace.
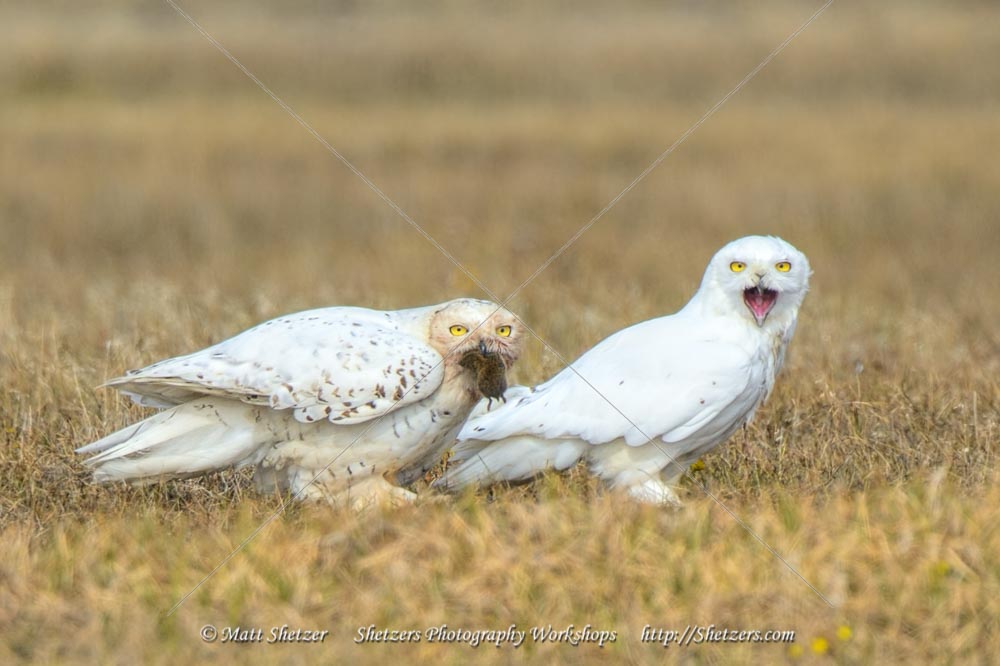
{"x":685,"y":382}
{"x":335,"y":403}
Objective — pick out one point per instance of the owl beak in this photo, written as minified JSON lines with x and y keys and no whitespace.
{"x":491,"y":345}
{"x":760,"y":301}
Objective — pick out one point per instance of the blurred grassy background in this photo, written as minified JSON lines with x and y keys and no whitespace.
{"x":153,"y":200}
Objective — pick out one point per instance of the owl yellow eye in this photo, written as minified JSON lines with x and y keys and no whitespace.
{"x":503,"y":331}
{"x":737,"y":266}
{"x":783,"y":266}
{"x":458,"y":329}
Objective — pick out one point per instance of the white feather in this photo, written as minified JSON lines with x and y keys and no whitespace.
{"x":647,"y":401}
{"x":190,"y":439}
{"x":321,"y":401}
{"x":343,"y":364}
{"x":511,"y":459}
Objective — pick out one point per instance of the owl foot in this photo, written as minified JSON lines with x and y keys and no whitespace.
{"x":376,"y":492}
{"x":654,"y":491}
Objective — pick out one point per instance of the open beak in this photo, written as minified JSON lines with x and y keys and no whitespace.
{"x":760,"y":301}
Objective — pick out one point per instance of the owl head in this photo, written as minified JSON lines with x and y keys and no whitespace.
{"x":759,"y":279}
{"x":464,"y":324}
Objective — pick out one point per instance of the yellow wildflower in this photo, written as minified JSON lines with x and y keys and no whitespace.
{"x":820,"y":645}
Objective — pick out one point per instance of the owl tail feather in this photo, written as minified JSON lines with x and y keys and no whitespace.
{"x":188,"y":440}
{"x":511,"y":459}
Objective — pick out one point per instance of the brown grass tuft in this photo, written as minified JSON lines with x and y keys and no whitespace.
{"x":152,"y":201}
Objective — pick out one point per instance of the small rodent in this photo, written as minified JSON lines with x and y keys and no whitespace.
{"x":491,"y":373}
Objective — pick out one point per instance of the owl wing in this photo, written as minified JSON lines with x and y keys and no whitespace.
{"x":347,"y":365}
{"x":668,"y":380}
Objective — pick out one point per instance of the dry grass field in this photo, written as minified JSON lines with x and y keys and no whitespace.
{"x":153,"y":200}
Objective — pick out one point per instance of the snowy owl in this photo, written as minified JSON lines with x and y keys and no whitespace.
{"x":333,"y":403}
{"x":684,"y":384}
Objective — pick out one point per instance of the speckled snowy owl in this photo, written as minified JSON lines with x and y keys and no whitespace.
{"x":336,"y":403}
{"x":685,"y":382}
